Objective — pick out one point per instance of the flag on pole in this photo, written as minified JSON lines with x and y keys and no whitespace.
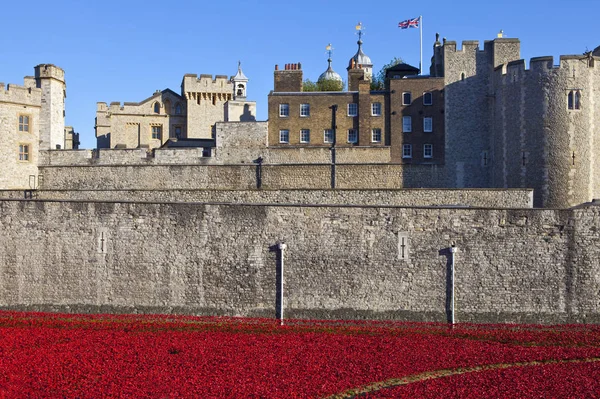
{"x":409,"y":23}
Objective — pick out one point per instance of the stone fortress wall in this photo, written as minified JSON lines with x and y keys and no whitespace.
{"x":539,"y":141}
{"x":18,"y":101}
{"x":508,"y":126}
{"x":512,"y":265}
{"x":483,"y":198}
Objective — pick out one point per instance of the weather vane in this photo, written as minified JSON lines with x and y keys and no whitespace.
{"x":329,"y":49}
{"x":359,"y":28}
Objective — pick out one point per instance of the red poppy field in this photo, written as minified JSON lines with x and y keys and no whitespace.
{"x":46,"y":355}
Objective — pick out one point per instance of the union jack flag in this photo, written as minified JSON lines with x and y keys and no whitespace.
{"x":409,"y":23}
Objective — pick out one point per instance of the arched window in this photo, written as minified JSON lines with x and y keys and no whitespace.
{"x":157,"y":108}
{"x":177,"y":109}
{"x":574,"y":99}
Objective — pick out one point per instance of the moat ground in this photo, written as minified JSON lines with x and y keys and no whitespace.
{"x":62,"y":355}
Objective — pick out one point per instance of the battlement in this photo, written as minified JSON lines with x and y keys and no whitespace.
{"x":49,"y":71}
{"x":23,"y":95}
{"x":206,"y":84}
{"x":545,"y":65}
{"x":467,"y":45}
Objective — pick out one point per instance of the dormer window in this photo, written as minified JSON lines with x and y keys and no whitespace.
{"x":156,"y":108}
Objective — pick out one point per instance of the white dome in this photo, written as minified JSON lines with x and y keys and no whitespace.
{"x":329,"y":74}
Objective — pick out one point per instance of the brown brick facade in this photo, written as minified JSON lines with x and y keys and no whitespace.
{"x":378,"y":119}
{"x":417,"y":110}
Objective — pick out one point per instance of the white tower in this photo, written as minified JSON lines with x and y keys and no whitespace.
{"x":240,"y":81}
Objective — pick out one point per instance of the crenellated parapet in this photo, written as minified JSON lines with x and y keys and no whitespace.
{"x":569,"y":67}
{"x":21,"y":95}
{"x":49,"y":71}
{"x":207,"y":88}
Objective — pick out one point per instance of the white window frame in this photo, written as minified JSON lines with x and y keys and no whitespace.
{"x":375,"y":109}
{"x":376,"y":132}
{"x":407,"y":124}
{"x":354,"y":107}
{"x":430,"y":95}
{"x":409,"y":99}
{"x":307,"y":132}
{"x":407,"y":151}
{"x":284,"y":136}
{"x":328,"y":136}
{"x":352,"y":132}
{"x":304,"y":110}
{"x":427,"y":124}
{"x":425,"y":147}
{"x":284,"y":110}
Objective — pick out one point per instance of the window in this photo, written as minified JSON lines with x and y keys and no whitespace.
{"x":23,"y":152}
{"x":376,"y":135}
{"x":407,"y":151}
{"x":177,"y":109}
{"x":406,"y":98}
{"x":427,"y":98}
{"x":284,"y":136}
{"x":305,"y":136}
{"x":352,"y":135}
{"x":376,"y":109}
{"x":284,"y":110}
{"x":156,"y":108}
{"x":406,"y":124}
{"x":428,"y":151}
{"x":352,"y":109}
{"x":304,"y":109}
{"x":23,"y":123}
{"x":157,"y":132}
{"x":574,"y":99}
{"x":428,"y":124}
{"x":176,"y":132}
{"x":328,"y":136}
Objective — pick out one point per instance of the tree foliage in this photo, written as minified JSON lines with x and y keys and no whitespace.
{"x":379,"y":81}
{"x":323,"y":85}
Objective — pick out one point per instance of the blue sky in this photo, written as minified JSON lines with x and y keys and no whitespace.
{"x":125,"y":50}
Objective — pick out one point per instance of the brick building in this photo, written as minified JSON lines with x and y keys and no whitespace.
{"x":406,"y":117}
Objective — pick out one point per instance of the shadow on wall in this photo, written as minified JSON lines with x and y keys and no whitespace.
{"x":247,"y":115}
{"x":449,"y":292}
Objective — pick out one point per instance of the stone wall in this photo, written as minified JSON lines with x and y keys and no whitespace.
{"x":512,"y":198}
{"x":539,"y":142}
{"x":150,"y":175}
{"x":341,"y":262}
{"x":16,"y":101}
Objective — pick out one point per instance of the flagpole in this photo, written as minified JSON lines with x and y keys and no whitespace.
{"x":421,"y":44}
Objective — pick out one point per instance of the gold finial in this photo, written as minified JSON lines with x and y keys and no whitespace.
{"x":501,"y":33}
{"x":359,"y":26}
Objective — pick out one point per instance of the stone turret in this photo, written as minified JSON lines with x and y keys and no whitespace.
{"x":51,"y":79}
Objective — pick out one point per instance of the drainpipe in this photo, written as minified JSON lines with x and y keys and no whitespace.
{"x":453,"y":250}
{"x":282,"y":247}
